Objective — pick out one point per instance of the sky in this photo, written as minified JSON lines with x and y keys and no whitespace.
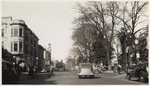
{"x":51,"y":21}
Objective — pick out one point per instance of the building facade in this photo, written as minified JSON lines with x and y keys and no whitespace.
{"x":47,"y":56}
{"x":41,"y":61}
{"x":19,"y":40}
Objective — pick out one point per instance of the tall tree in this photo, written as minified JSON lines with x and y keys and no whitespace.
{"x":98,"y":15}
{"x":132,"y":15}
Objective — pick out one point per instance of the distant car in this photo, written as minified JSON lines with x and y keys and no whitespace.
{"x":115,"y":69}
{"x":9,"y":75}
{"x":85,"y":70}
{"x":56,"y":69}
{"x":43,"y":71}
{"x":139,"y":71}
{"x":97,"y":69}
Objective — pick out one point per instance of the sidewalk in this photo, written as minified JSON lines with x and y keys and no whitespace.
{"x":109,"y":71}
{"x":122,"y":75}
{"x":25,"y":73}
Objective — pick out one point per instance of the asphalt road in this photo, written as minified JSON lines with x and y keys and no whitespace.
{"x":71,"y":78}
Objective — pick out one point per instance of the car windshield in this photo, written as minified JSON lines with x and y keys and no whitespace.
{"x":85,"y":65}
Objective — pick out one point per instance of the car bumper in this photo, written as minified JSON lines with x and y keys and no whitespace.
{"x":90,"y":74}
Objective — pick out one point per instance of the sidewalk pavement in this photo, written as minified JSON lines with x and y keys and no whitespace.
{"x":109,"y":71}
{"x":122,"y":75}
{"x":25,"y":73}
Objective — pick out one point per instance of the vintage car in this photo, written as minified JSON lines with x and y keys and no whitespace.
{"x":85,"y":70}
{"x":9,"y":75}
{"x":97,"y":69}
{"x":139,"y":71}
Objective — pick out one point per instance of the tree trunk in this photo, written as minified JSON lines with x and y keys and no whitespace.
{"x":108,"y":58}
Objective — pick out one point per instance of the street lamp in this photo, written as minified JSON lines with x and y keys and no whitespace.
{"x":136,"y":41}
{"x":127,"y":59}
{"x":136,"y":49}
{"x":14,"y":62}
{"x":37,"y":61}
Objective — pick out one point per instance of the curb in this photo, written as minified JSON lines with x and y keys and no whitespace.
{"x":109,"y":71}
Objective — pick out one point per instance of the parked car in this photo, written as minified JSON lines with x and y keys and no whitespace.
{"x":9,"y":75}
{"x":43,"y":71}
{"x":139,"y":71}
{"x":85,"y":70}
{"x":97,"y":69}
{"x":115,"y":69}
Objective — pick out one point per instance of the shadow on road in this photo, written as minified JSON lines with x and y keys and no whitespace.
{"x":137,"y":80}
{"x":97,"y":77}
{"x":42,"y":79}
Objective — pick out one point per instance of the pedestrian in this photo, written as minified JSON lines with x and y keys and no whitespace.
{"x":31,"y":72}
{"x":49,"y":71}
{"x":35,"y":71}
{"x":119,"y":69}
{"x":19,"y":71}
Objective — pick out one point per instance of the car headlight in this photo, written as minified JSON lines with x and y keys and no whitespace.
{"x":147,"y":69}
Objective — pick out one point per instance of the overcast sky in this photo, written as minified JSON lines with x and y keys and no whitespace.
{"x":50,"y":21}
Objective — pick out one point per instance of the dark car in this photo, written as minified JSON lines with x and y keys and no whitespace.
{"x":9,"y":75}
{"x":139,"y":71}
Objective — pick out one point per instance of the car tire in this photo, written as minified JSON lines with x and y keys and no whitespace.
{"x":128,"y":77}
{"x":79,"y":76}
{"x":142,"y":78}
{"x":92,"y":76}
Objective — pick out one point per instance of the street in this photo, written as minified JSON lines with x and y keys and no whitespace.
{"x":71,"y":78}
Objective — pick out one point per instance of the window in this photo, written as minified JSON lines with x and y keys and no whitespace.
{"x":11,"y":32}
{"x":2,"y":32}
{"x":34,"y":53}
{"x":20,"y":46}
{"x":31,"y":40}
{"x":26,"y":49}
{"x":34,"y":42}
{"x":3,"y":44}
{"x":26,"y":37}
{"x":20,"y":32}
{"x":11,"y":47}
{"x":15,"y":46}
{"x":15,"y":31}
{"x":31,"y":51}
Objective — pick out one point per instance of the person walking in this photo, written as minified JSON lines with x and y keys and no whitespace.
{"x":35,"y":72}
{"x":49,"y":71}
{"x":119,"y":69}
{"x":31,"y":72}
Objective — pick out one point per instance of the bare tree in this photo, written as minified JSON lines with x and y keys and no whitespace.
{"x":132,"y":17}
{"x":99,"y":14}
